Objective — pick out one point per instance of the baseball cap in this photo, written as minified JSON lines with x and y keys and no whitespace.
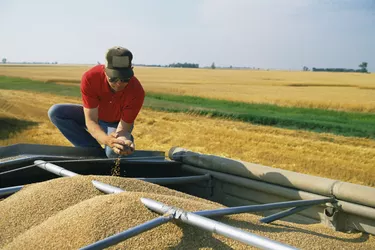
{"x":119,"y":63}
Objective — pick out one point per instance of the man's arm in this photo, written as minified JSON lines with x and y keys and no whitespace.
{"x":124,"y":133}
{"x":124,"y":129}
{"x":91,"y":118}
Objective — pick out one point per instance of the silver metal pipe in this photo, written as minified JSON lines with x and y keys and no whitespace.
{"x":106,"y":188}
{"x":283,"y":214}
{"x":263,"y":207}
{"x":54,"y":169}
{"x":177,"y":180}
{"x":117,"y":238}
{"x":215,"y":226}
{"x":9,"y":190}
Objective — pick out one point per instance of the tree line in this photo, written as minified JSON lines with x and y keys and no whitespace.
{"x":184,"y":65}
{"x":172,"y":65}
{"x":5,"y":61}
{"x":362,"y":69}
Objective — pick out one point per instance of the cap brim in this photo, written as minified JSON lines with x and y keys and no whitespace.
{"x":122,"y":73}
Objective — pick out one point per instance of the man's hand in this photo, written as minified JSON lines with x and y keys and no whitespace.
{"x":129,"y":146}
{"x":120,"y":145}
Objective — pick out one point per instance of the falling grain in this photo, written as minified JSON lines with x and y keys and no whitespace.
{"x":116,"y":170}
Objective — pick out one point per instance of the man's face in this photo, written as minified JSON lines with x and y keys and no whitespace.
{"x":117,"y":84}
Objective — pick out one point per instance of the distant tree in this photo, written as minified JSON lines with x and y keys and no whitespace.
{"x":305,"y":68}
{"x":363,"y":66}
{"x":213,"y":66}
{"x":183,"y":65}
{"x":4,"y":60}
{"x":230,"y":66}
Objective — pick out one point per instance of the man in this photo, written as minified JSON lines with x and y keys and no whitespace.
{"x":112,"y":98}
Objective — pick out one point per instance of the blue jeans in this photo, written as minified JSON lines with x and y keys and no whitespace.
{"x":70,"y":120}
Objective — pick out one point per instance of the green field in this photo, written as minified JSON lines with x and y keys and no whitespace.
{"x":317,"y":120}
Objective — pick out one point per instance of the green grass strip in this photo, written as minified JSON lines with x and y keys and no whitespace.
{"x":317,"y":120}
{"x":13,"y":83}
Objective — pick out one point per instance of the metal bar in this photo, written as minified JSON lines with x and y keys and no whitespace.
{"x":106,"y":188}
{"x":215,"y":226}
{"x":283,"y":214}
{"x":117,"y":238}
{"x":9,"y":190}
{"x":177,"y":180}
{"x":54,"y":169}
{"x":263,"y":207}
{"x":27,"y":158}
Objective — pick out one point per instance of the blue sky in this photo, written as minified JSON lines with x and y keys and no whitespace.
{"x":275,"y":34}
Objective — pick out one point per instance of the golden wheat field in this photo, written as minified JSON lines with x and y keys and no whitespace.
{"x":336,"y":157}
{"x":339,"y":91}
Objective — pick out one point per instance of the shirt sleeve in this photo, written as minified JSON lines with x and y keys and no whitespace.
{"x":89,"y":98}
{"x":131,"y":110}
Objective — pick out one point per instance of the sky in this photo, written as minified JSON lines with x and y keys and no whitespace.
{"x":272,"y":34}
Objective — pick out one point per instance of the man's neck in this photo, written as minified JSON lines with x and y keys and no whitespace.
{"x":112,"y":90}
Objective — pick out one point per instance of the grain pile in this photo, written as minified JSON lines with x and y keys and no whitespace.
{"x":69,"y":213}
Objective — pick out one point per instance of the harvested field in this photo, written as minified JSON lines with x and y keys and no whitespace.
{"x":68,"y":213}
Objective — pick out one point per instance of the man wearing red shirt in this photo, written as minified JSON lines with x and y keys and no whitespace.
{"x":112,"y":98}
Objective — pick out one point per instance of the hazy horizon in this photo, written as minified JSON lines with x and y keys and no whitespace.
{"x":267,"y":34}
